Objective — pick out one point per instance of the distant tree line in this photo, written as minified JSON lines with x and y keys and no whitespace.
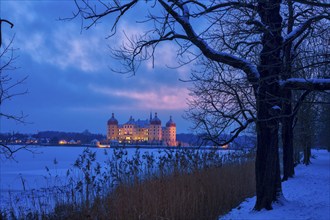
{"x":53,"y":137}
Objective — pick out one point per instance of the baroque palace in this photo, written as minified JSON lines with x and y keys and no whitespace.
{"x":148,"y":131}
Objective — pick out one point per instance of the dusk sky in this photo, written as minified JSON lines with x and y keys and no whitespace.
{"x":70,"y":83}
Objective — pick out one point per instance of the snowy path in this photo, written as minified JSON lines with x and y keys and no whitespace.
{"x":307,"y":195}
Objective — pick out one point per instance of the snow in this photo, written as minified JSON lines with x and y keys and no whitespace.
{"x":31,"y":167}
{"x":27,"y":175}
{"x":185,"y":11}
{"x":306,"y":195}
{"x":303,"y":80}
{"x":303,"y":27}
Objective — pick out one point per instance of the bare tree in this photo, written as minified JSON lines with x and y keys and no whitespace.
{"x":305,"y":128}
{"x":8,"y":88}
{"x":221,"y":105}
{"x":302,"y":54}
{"x":4,"y":21}
{"x":324,"y":122}
{"x":192,"y":23}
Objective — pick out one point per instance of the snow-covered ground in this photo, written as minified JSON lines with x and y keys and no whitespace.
{"x":307,"y":195}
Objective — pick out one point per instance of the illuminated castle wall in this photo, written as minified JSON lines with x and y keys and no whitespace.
{"x":149,"y":131}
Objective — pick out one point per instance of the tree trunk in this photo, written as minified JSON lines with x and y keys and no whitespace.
{"x":309,"y":128}
{"x":287,"y":120}
{"x":307,"y":146}
{"x":296,"y":155}
{"x":287,"y":139}
{"x":268,"y":179}
{"x":307,"y":154}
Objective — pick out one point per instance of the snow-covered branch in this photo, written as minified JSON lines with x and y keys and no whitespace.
{"x":231,"y":60}
{"x":317,"y":3}
{"x":236,"y":4}
{"x":306,"y":84}
{"x":303,"y":27}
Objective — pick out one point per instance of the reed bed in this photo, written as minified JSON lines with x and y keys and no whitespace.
{"x":173,"y":184}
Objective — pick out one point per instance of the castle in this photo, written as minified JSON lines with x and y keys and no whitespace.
{"x":142,"y":131}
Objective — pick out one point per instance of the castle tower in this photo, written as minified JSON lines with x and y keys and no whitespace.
{"x":129,"y":131}
{"x":170,"y":133}
{"x":112,"y":131}
{"x":155,"y":130}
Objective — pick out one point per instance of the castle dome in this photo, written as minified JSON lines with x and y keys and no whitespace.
{"x":112,"y":120}
{"x":170,"y":123}
{"x":156,"y":120}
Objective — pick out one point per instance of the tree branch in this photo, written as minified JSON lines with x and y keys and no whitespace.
{"x":313,"y":3}
{"x":300,"y":102}
{"x":208,"y":9}
{"x":239,"y":63}
{"x":301,"y":29}
{"x":11,"y":26}
{"x":306,"y":84}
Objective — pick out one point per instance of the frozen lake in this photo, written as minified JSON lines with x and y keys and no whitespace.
{"x":26,"y":179}
{"x":30,"y":167}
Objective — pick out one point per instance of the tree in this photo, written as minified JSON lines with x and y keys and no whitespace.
{"x":8,"y":87}
{"x":4,"y":21}
{"x":324,"y":122}
{"x":221,"y":105}
{"x":305,"y":130}
{"x":179,"y":21}
{"x":304,"y":58}
{"x":305,"y":54}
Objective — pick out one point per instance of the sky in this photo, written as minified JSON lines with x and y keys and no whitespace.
{"x":71,"y":85}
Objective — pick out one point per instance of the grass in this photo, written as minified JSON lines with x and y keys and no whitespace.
{"x":202,"y":194}
{"x":185,"y":184}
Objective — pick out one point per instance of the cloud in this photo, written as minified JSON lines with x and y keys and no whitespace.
{"x":162,"y":98}
{"x":127,"y":30}
{"x":83,"y":51}
{"x":64,"y":48}
{"x":166,"y":53}
{"x":19,"y":11}
{"x":166,"y":57}
{"x":57,"y":55}
{"x":47,"y":40}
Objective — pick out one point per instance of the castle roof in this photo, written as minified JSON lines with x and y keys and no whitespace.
{"x":138,"y":123}
{"x":112,"y":120}
{"x":170,"y":123}
{"x":131,"y":121}
{"x":156,"y":120}
{"x":141,"y":123}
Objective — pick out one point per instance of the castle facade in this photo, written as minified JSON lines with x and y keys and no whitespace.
{"x":142,"y":131}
